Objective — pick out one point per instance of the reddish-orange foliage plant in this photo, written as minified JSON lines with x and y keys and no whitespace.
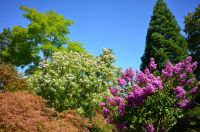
{"x":10,"y":80}
{"x":22,"y":111}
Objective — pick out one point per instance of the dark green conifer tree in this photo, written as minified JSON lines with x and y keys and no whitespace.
{"x":163,"y":41}
{"x":192,"y":30}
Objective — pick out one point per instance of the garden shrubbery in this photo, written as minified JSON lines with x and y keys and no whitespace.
{"x":151,"y":101}
{"x":73,"y":80}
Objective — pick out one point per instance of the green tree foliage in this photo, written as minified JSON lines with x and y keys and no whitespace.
{"x":5,"y":38}
{"x":45,"y":34}
{"x":5,"y":41}
{"x":20,"y":51}
{"x":74,"y":80}
{"x":75,"y":47}
{"x":192,"y":29}
{"x":47,"y":31}
{"x":163,"y":41}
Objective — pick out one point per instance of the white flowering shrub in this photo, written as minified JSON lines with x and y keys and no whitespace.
{"x":73,"y":80}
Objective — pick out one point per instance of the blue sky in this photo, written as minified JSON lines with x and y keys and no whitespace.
{"x":117,"y":24}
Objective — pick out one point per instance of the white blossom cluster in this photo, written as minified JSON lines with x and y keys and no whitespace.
{"x":75,"y":80}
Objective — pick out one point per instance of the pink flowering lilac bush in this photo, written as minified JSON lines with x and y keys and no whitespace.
{"x":150,"y":100}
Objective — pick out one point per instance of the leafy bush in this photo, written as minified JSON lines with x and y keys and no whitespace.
{"x":151,"y":102}
{"x":73,"y":80}
{"x":10,"y":80}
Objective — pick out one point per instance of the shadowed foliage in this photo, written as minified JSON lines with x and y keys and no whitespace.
{"x":192,"y":29}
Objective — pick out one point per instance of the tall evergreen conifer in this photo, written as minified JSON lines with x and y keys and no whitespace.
{"x":163,"y":41}
{"x":192,"y":29}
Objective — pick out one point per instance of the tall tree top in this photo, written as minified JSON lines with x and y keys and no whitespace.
{"x":163,"y":41}
{"x":164,"y":19}
{"x":50,"y":26}
{"x":46,"y":33}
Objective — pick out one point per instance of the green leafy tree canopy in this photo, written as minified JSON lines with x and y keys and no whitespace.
{"x":45,"y":34}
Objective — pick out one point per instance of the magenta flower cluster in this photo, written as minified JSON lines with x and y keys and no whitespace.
{"x":149,"y":128}
{"x":186,"y":66}
{"x":152,"y":65}
{"x":193,"y":91}
{"x":145,"y":84}
{"x":182,"y":71}
{"x":169,"y":69}
{"x":114,"y":91}
{"x":180,"y":92}
{"x":126,"y":77}
{"x":185,"y":103}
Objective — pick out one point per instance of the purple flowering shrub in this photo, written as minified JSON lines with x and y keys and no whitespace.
{"x":150,"y":100}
